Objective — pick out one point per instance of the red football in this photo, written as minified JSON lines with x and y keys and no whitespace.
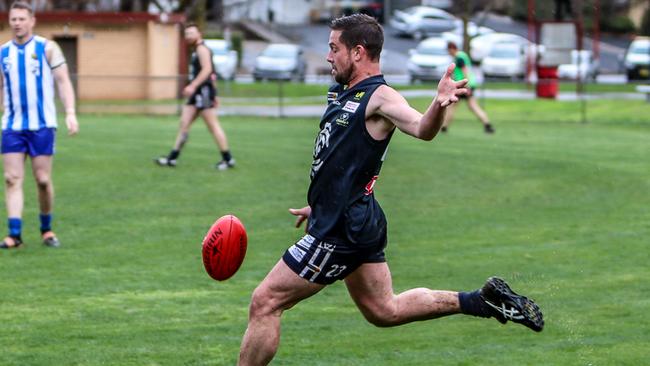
{"x":224,"y":247}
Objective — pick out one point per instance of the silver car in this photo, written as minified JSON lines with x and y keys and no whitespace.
{"x":420,"y":21}
{"x":223,"y":57}
{"x":429,"y":60}
{"x":585,"y":67}
{"x":280,"y":61}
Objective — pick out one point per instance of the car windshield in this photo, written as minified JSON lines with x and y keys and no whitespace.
{"x":280,"y":52}
{"x":641,"y":48}
{"x":431,"y":49}
{"x":584,"y":57}
{"x":504,"y":52}
{"x":218,"y":48}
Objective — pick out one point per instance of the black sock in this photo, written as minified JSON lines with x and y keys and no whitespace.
{"x":173,"y":155}
{"x":472,"y":304}
{"x":226,"y":155}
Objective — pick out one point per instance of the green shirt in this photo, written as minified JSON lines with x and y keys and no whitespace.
{"x":461,"y":60}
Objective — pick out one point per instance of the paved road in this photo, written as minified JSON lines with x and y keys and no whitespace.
{"x":313,"y":37}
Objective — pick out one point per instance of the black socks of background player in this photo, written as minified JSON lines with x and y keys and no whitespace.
{"x":472,"y":304}
{"x":226,"y":155}
{"x":173,"y":155}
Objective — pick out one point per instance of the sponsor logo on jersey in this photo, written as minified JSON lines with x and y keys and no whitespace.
{"x":351,"y":106}
{"x":343,"y":120}
{"x":6,"y":64}
{"x":331,"y":96}
{"x":359,"y":95}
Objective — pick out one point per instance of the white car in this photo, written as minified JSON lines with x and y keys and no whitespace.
{"x":429,"y":60}
{"x":505,"y":60}
{"x":223,"y":57}
{"x":420,"y":21}
{"x":280,"y":61}
{"x":480,"y":46}
{"x":586,"y":67}
{"x":637,"y":59}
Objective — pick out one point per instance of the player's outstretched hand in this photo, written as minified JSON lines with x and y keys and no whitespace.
{"x":448,"y":89}
{"x":72,"y":124}
{"x":301,"y":213}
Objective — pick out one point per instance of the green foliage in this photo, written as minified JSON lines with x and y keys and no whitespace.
{"x":617,"y":24}
{"x":556,"y":207}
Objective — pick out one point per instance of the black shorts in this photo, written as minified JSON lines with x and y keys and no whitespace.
{"x":324,"y":263}
{"x":469,"y":94}
{"x":203,"y":97}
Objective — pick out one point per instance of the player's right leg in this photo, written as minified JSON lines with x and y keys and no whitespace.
{"x":14,"y":173}
{"x":211,"y":120}
{"x":449,"y":117}
{"x":188,"y":115}
{"x":279,"y":291}
{"x":480,"y":113}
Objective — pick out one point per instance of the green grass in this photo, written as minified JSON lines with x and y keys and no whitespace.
{"x":557,"y":207}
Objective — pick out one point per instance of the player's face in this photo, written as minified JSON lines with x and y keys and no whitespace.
{"x":21,"y":22}
{"x":192,"y":35}
{"x":340,"y":58}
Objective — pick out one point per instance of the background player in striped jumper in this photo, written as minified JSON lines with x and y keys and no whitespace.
{"x":346,"y":227}
{"x":202,"y":100}
{"x":30,"y":66}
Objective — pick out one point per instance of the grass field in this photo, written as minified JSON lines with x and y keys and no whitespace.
{"x":556,"y":207}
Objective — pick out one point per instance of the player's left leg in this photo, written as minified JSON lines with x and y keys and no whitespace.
{"x":212,"y":122}
{"x":42,"y":170}
{"x":371,"y":288}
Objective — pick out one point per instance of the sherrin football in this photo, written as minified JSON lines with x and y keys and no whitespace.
{"x":224,"y":247}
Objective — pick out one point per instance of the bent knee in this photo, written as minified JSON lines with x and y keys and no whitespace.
{"x":382,"y":320}
{"x":381,"y":317}
{"x":12,"y":179}
{"x":264,"y":303}
{"x":43,"y":181}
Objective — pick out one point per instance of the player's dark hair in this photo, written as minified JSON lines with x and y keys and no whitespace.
{"x":360,"y":29}
{"x":192,"y":25}
{"x":22,"y":5}
{"x":452,"y":45}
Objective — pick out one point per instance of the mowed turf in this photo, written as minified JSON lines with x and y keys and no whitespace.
{"x":556,"y":207}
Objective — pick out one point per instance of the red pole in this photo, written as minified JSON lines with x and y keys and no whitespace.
{"x":596,"y":37}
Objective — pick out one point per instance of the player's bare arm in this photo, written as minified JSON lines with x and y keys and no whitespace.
{"x":396,"y":112}
{"x":62,"y":78}
{"x":206,"y":70}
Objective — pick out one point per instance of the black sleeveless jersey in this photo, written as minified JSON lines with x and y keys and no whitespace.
{"x":346,"y":164}
{"x":195,"y":66}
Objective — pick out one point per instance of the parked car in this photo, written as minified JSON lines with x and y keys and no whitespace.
{"x":333,"y":9}
{"x":420,"y":21}
{"x":505,"y":60}
{"x":280,"y":61}
{"x":373,"y":8}
{"x":429,"y":60}
{"x":586,"y":66}
{"x":224,"y":58}
{"x":481,"y":45}
{"x":637,"y":59}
